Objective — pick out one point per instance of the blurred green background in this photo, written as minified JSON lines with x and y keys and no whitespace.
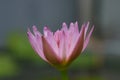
{"x":100,"y":61}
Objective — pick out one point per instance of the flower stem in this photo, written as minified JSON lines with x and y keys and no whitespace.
{"x":64,"y":74}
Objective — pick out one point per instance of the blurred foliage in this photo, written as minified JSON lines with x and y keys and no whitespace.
{"x":87,"y":77}
{"x":7,"y":66}
{"x":87,"y":60}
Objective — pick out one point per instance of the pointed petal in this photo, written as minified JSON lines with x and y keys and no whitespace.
{"x":50,"y":53}
{"x":86,"y":25}
{"x":77,"y":47}
{"x":75,"y":33}
{"x":39,"y":45}
{"x":71,"y":35}
{"x":36,"y":32}
{"x":56,"y":36}
{"x":86,"y":28}
{"x":62,"y":46}
{"x":51,"y":40}
{"x":87,"y":39}
{"x":73,"y":38}
{"x":71,"y":28}
{"x":32,"y":40}
{"x":38,"y":37}
{"x":36,"y":44}
{"x":76,"y":27}
{"x":47,"y":31}
{"x":64,"y":27}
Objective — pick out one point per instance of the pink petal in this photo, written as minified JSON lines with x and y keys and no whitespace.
{"x":71,"y":28}
{"x":78,"y":45}
{"x":62,"y":46}
{"x":57,"y":37}
{"x":76,"y":27}
{"x":75,"y":33}
{"x":73,"y":37}
{"x":87,"y":39}
{"x":32,"y":40}
{"x":70,"y":35}
{"x":36,"y":32}
{"x":48,"y":35}
{"x":64,"y":27}
{"x":66,"y":34}
{"x":50,"y":53}
{"x":47,"y":31}
{"x":86,"y":28}
{"x":36,"y":44}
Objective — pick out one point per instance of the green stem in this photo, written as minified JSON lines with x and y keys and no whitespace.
{"x":64,"y":74}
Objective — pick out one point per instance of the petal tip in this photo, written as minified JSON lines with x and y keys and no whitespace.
{"x":93,"y":26}
{"x":28,"y":31}
{"x":64,"y":23}
{"x":71,"y":24}
{"x":46,"y":28}
{"x":92,"y":29}
{"x":88,"y":22}
{"x":76,"y":22}
{"x":34,"y":28}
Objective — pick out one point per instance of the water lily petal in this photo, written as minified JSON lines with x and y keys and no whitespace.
{"x":51,"y":40}
{"x":87,"y":39}
{"x":76,"y":27}
{"x":64,"y":27}
{"x":57,"y":37}
{"x":50,"y":53}
{"x":36,"y":32}
{"x":62,"y":46}
{"x":71,"y":29}
{"x":78,"y":45}
{"x":75,"y":34}
{"x":86,"y":29}
{"x":36,"y":43}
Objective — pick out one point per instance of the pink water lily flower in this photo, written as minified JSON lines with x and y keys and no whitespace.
{"x":62,"y":47}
